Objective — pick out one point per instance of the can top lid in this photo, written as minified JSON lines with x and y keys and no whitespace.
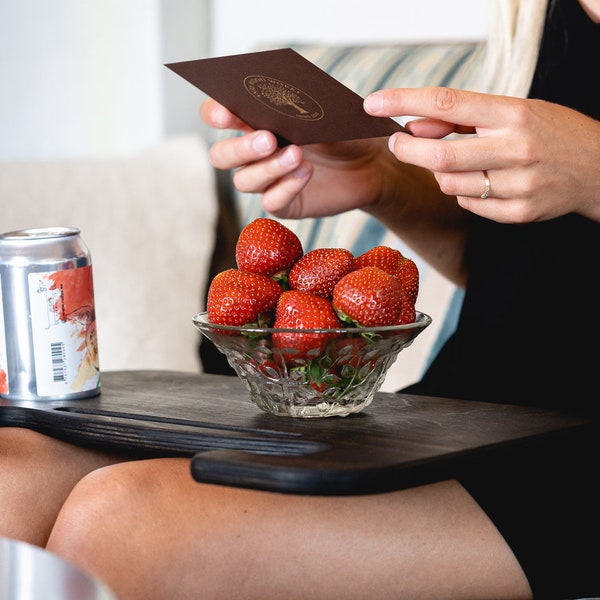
{"x":40,"y":233}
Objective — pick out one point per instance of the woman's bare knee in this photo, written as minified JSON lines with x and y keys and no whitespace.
{"x":37,"y":474}
{"x":114,"y":519}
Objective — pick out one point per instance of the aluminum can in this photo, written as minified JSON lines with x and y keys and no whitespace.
{"x":48,"y":343}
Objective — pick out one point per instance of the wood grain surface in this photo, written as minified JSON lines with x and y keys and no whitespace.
{"x":399,"y":441}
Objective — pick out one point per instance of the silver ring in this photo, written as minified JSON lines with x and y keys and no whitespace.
{"x":486,"y":180}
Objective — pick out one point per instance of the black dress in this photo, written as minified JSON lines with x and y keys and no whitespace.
{"x":529,"y":333}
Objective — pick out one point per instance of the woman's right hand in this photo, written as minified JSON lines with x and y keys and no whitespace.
{"x":297,"y":182}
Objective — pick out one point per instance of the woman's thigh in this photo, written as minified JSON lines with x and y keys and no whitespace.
{"x":37,"y":473}
{"x":150,"y":531}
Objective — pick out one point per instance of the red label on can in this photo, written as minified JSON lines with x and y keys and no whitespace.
{"x":63,"y":322}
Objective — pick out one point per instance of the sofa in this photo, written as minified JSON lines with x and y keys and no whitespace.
{"x":149,"y":221}
{"x":161,"y":223}
{"x":365,"y":69}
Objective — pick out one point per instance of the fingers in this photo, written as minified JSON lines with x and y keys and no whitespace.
{"x":280,"y":200}
{"x":434,"y":128}
{"x":449,"y":155}
{"x":280,"y":174}
{"x":474,"y":192}
{"x":234,"y":152}
{"x":470,"y":184}
{"x":507,"y":201}
{"x":257,"y":176}
{"x":443,"y":104}
{"x":503,"y":146}
{"x":514,"y":211}
{"x":219,"y":117}
{"x":441,"y":111}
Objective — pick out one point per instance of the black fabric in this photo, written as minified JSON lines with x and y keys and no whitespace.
{"x":530,"y":306}
{"x":528,"y":334}
{"x":223,"y":257}
{"x":545,"y":505}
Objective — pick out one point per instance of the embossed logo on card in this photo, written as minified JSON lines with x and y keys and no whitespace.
{"x":283,"y":98}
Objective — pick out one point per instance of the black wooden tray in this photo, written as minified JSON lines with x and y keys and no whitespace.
{"x":399,"y":441}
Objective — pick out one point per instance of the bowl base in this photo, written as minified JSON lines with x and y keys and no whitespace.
{"x":298,"y":401}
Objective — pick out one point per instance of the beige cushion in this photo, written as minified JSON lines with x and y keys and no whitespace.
{"x":149,"y":222}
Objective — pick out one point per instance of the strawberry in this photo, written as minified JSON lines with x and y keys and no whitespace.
{"x":303,"y":310}
{"x":319,"y":270}
{"x":239,"y":298}
{"x":408,"y":314}
{"x":392,"y":261}
{"x":267,"y":247}
{"x":368,"y":297}
{"x":384,"y":257}
{"x":408,"y":274}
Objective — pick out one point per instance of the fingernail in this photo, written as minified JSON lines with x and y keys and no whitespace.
{"x":373,"y":103}
{"x":301,"y":172}
{"x":288,"y":158}
{"x":392,"y":141}
{"x":219,"y":117}
{"x":261,"y":143}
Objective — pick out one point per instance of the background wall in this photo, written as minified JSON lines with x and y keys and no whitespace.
{"x":86,"y":77}
{"x":239,"y":25}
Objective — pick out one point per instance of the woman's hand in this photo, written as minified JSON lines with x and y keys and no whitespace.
{"x":542,"y":159}
{"x":327,"y":179}
{"x":296,"y":182}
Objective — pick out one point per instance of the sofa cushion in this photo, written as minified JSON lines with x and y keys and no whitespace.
{"x":149,"y":221}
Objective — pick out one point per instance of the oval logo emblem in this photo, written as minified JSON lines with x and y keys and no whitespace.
{"x":283,"y":98}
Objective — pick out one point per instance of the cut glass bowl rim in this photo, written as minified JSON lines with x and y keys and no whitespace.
{"x":422,"y":320}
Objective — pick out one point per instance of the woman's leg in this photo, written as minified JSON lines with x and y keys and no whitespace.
{"x":151,"y":532}
{"x":37,"y":473}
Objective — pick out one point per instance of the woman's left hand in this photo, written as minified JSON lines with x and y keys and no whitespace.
{"x":542,"y":160}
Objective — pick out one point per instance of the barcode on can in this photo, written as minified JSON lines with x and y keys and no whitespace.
{"x":59,"y":366}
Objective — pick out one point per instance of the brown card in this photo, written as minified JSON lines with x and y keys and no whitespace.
{"x":283,"y":92}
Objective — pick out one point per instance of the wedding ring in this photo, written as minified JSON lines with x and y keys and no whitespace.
{"x":486,"y":180}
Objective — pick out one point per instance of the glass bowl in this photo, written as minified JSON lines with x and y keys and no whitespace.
{"x":336,"y":374}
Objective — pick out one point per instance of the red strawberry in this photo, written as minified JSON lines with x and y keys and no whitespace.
{"x":239,"y":298}
{"x":319,"y":270}
{"x":267,"y":247}
{"x":384,"y":257}
{"x":368,"y":297}
{"x":392,"y":261}
{"x":408,"y":274}
{"x":408,"y":314}
{"x":302,"y":310}
{"x":395,"y":263}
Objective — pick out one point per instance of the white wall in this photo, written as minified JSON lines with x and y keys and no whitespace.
{"x":240,"y":25}
{"x":86,"y":77}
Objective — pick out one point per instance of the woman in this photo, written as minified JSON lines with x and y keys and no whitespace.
{"x":512,"y":213}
